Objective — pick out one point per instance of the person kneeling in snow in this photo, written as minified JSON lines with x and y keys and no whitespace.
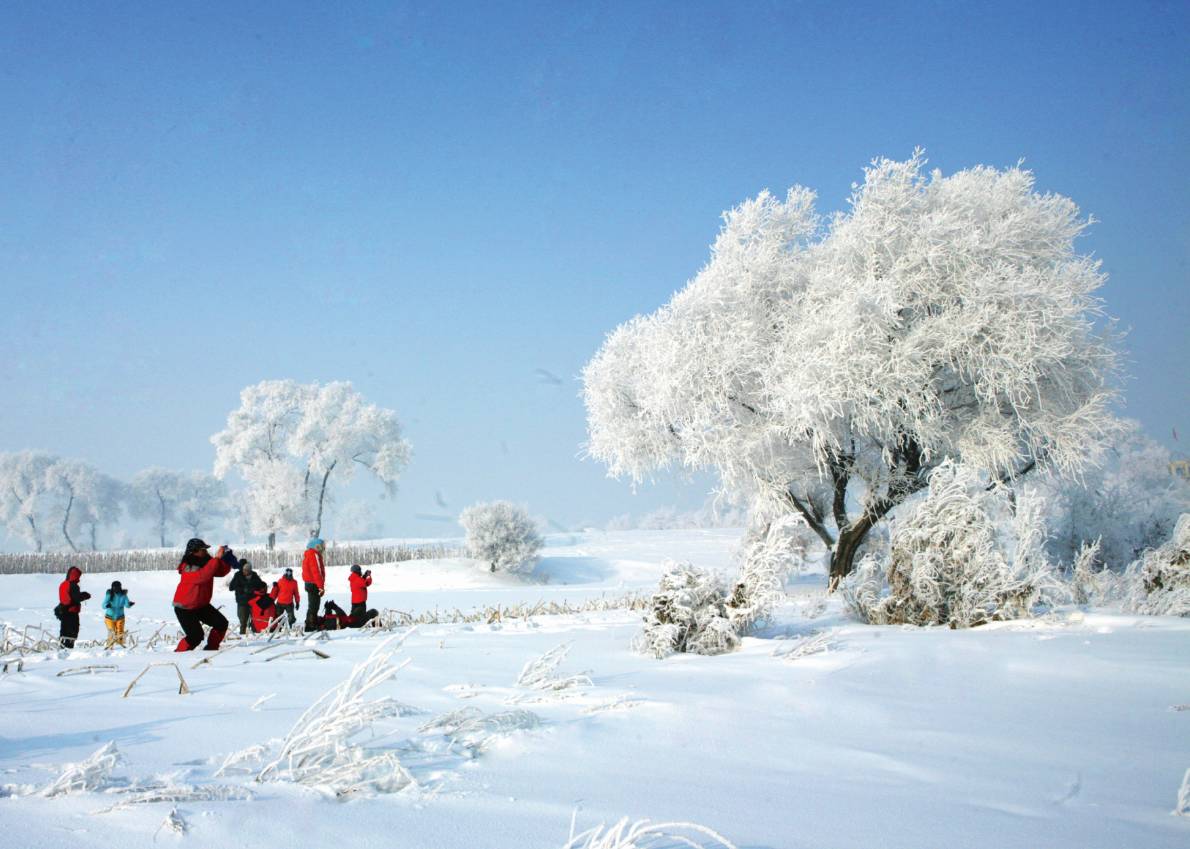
{"x":335,"y":618}
{"x":262,"y":609}
{"x":70,"y":604}
{"x":359,"y":581}
{"x":115,"y":600}
{"x":192,"y":599}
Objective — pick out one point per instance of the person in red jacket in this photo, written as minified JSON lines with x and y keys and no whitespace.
{"x":192,"y":599}
{"x":314,"y":577}
{"x":262,"y":610}
{"x":288,"y":596}
{"x":359,"y":581}
{"x":70,"y":603}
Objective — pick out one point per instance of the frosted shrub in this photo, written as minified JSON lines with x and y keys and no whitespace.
{"x":502,"y":534}
{"x":950,"y":563}
{"x":688,"y":613}
{"x":767,"y":557}
{"x":1160,"y":579}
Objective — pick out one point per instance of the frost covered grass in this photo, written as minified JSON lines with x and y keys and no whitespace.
{"x":643,"y":834}
{"x":319,"y":750}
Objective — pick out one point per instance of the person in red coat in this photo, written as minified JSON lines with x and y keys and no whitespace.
{"x":192,"y":599}
{"x":314,"y":577}
{"x":70,"y":603}
{"x":262,"y":610}
{"x":359,"y":581}
{"x":288,"y":596}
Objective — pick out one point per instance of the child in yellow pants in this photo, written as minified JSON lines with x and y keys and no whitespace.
{"x":115,"y":600}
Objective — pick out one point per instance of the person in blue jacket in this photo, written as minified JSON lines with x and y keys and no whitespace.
{"x":115,"y":600}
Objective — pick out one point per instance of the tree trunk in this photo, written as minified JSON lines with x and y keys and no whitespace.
{"x":321,"y":498}
{"x":272,"y":540}
{"x":66,"y":523}
{"x":161,"y":521}
{"x":94,"y":537}
{"x":36,"y":535}
{"x":843,"y":554}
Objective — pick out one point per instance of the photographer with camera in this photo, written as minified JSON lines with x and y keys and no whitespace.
{"x":192,"y":599}
{"x":359,"y":581}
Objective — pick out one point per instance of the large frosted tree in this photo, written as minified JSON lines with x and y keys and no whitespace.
{"x":85,"y":498}
{"x":825,"y":368}
{"x":291,"y":441}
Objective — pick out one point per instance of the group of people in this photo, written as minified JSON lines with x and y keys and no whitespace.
{"x":257,"y":604}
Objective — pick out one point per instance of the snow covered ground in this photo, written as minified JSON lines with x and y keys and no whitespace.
{"x":1063,"y":731}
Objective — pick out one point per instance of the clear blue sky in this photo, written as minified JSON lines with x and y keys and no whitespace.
{"x":435,"y":200}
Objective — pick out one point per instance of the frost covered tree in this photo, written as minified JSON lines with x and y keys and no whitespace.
{"x":287,"y":440}
{"x":25,"y":494}
{"x":826,"y":369}
{"x":501,"y":534}
{"x":85,"y":499}
{"x":1128,"y":503}
{"x":176,"y":499}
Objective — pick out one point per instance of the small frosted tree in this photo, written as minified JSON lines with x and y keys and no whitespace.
{"x":501,"y":534}
{"x":322,"y":432}
{"x":826,"y":370}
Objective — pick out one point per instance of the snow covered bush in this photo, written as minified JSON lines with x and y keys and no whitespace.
{"x":1128,"y":504}
{"x":688,"y":613}
{"x":501,"y":534}
{"x":829,"y":368}
{"x":1160,"y":579}
{"x":951,"y":563}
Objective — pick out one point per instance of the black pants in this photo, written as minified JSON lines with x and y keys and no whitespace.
{"x":312,"y":597}
{"x":287,"y":609}
{"x":358,"y":611}
{"x":69,"y":630}
{"x":192,"y":622}
{"x":245,"y":616}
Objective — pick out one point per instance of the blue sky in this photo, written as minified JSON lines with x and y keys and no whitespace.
{"x":434,"y":201}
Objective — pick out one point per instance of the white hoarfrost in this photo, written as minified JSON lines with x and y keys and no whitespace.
{"x":828,"y":368}
{"x":951,"y":563}
{"x":94,"y":773}
{"x":501,"y":534}
{"x":319,"y":750}
{"x":541,"y":673}
{"x":643,"y":834}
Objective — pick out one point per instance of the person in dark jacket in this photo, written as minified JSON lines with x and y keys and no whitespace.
{"x":192,"y":599}
{"x":288,"y":596}
{"x":70,"y":603}
{"x":245,"y":583}
{"x":359,"y":581}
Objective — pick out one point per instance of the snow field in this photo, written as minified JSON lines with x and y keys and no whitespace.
{"x":1049,"y":732}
